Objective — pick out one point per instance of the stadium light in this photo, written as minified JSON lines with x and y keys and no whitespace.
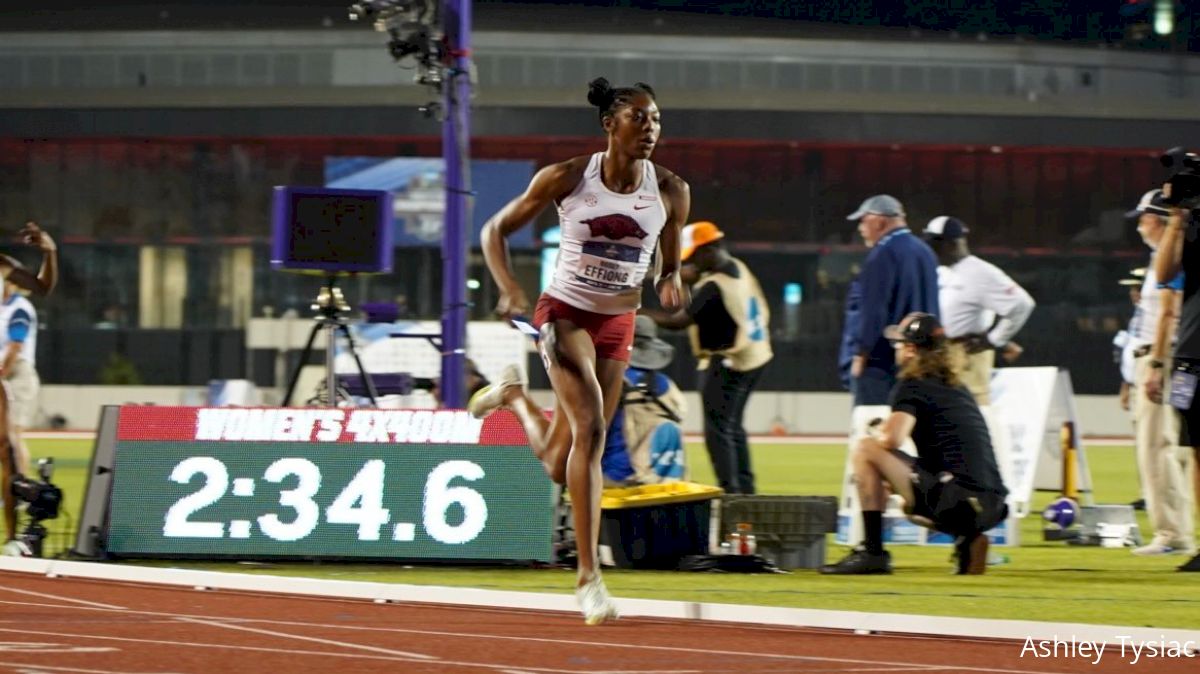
{"x":1164,"y":17}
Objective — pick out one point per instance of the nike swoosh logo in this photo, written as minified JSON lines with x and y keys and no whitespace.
{"x":638,"y":208}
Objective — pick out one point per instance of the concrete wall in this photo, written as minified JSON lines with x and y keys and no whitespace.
{"x":807,"y":413}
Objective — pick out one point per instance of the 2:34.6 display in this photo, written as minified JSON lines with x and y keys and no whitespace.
{"x":353,"y":497}
{"x":359,"y":503}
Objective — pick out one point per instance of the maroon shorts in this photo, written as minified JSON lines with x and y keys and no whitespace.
{"x":611,"y":333}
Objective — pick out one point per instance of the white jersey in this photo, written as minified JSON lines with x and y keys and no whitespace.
{"x":1149,"y":308}
{"x":607,"y":242}
{"x":18,"y":323}
{"x":972,"y":292}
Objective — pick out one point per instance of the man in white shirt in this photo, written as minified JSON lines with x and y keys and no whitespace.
{"x":1123,"y":347}
{"x":1123,"y":342}
{"x":1162,"y":463}
{"x":982,"y":308}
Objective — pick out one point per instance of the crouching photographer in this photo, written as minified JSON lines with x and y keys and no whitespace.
{"x":1179,"y":250}
{"x":42,"y":500}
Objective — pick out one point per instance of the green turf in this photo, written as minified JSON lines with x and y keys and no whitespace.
{"x":1041,"y":581}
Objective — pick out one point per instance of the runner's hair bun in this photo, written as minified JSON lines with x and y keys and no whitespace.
{"x":601,"y":93}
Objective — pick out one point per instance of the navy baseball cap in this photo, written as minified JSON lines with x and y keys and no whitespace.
{"x":1151,"y":202}
{"x":946,"y":227}
{"x":919,"y":328}
{"x":880,"y":204}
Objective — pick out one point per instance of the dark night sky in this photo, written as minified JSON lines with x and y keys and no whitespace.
{"x":1090,"y":21}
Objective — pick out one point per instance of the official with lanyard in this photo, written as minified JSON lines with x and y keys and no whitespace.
{"x":898,"y":277}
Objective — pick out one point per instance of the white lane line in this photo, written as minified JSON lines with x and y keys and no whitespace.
{"x":72,"y":600}
{"x":21,"y":668}
{"x":316,"y":640}
{"x":910,"y":668}
{"x":575,"y":642}
{"x":570,"y":642}
{"x":843,"y":671}
{"x":839,"y":670}
{"x":38,"y":647}
{"x":291,"y":651}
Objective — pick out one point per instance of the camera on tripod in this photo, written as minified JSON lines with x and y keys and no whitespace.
{"x":332,"y":232}
{"x":42,"y":500}
{"x":1183,"y":187}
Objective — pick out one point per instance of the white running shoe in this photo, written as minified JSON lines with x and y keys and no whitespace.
{"x":1156,"y":548}
{"x":491,"y":397}
{"x":595,"y":603}
{"x":16,"y":548}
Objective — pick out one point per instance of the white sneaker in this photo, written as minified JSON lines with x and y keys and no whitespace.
{"x":491,"y":397}
{"x":595,"y":603}
{"x":1184,"y":549}
{"x":1156,"y":548}
{"x":16,"y":548}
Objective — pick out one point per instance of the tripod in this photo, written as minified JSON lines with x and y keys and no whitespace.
{"x":329,"y":305}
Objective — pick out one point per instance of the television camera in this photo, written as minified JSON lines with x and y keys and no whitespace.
{"x":413,"y":28}
{"x":43,"y":500}
{"x":1183,"y":187}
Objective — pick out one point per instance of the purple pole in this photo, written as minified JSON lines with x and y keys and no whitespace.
{"x":456,"y":149}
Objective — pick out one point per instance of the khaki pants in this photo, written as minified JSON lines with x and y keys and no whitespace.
{"x":974,"y":371}
{"x":1164,"y":466}
{"x":23,"y":385}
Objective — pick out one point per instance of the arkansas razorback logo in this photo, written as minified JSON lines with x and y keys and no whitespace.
{"x":614,"y":226}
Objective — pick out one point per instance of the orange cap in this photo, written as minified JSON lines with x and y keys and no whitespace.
{"x":695,"y":235}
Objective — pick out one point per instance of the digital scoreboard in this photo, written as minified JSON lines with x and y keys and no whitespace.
{"x":315,"y":483}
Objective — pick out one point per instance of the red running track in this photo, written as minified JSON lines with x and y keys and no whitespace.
{"x":62,"y":625}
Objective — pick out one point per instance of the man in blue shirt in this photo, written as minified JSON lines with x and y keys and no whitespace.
{"x":898,"y":277}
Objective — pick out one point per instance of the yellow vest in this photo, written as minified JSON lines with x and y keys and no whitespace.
{"x":744,"y":300}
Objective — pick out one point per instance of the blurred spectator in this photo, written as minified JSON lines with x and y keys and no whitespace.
{"x":111,"y":317}
{"x":1123,"y":357}
{"x":1123,"y":345}
{"x":898,"y":277}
